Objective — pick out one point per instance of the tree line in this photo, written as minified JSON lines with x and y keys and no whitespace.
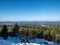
{"x":15,"y":33}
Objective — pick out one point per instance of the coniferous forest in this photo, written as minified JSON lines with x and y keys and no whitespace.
{"x":30,"y":32}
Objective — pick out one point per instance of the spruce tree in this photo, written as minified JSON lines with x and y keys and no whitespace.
{"x":42,"y":34}
{"x":4,"y":32}
{"x":15,"y":30}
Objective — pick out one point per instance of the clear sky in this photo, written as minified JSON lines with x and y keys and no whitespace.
{"x":29,"y":10}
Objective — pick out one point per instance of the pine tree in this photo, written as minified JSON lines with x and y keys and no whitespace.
{"x":15,"y":30}
{"x":4,"y":32}
{"x":42,"y":34}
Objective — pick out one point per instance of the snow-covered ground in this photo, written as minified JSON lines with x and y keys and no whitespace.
{"x":17,"y":41}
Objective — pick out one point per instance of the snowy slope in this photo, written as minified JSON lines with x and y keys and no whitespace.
{"x":16,"y":41}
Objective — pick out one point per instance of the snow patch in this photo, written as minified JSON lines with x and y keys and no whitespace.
{"x":17,"y":41}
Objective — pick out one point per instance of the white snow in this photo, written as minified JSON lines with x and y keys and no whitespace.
{"x":17,"y":41}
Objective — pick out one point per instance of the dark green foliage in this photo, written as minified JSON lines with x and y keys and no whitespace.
{"x":46,"y":37}
{"x":49,"y":36}
{"x":40,"y":35}
{"x":4,"y":32}
{"x":15,"y":30}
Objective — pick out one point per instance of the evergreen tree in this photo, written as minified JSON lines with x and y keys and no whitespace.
{"x":49,"y":35}
{"x":15,"y":30}
{"x":4,"y":32}
{"x":42,"y":34}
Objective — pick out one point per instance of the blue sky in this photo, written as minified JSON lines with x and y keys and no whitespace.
{"x":29,"y":10}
